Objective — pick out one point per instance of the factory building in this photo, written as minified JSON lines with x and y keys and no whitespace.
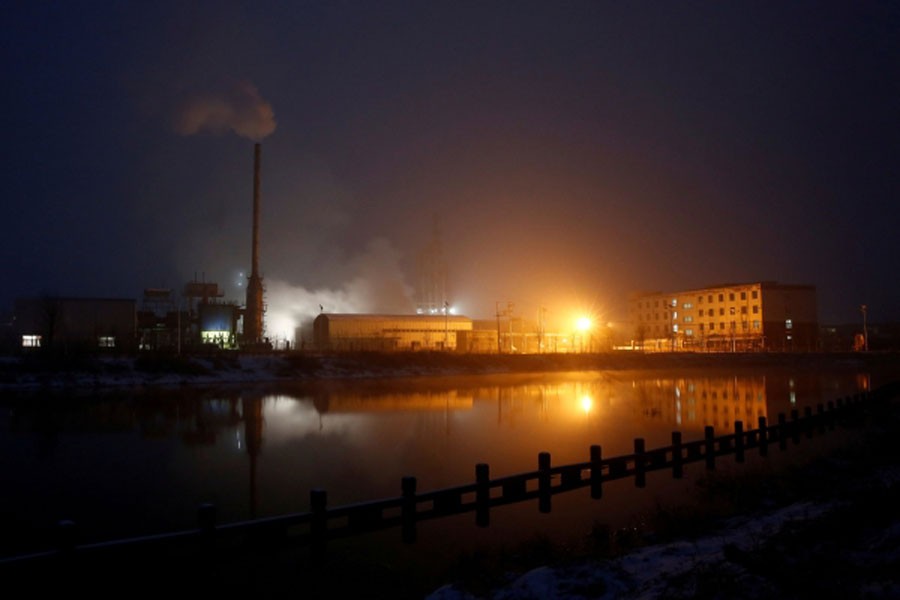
{"x":385,"y":333}
{"x":69,"y":324}
{"x":199,"y":319}
{"x":751,"y":317}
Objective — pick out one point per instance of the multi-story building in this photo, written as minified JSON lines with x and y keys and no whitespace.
{"x":726,"y":318}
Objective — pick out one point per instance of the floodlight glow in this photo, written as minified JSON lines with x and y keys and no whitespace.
{"x":583,"y":323}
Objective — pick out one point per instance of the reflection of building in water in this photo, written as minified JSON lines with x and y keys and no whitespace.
{"x":351,"y":403}
{"x":252,"y":411}
{"x":716,"y":401}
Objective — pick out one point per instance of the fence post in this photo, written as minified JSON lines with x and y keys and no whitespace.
{"x":482,"y":495}
{"x":596,"y":472}
{"x":319,"y":525}
{"x":677,"y":464}
{"x":739,"y":441}
{"x":206,"y":518}
{"x":795,"y":425}
{"x":408,"y":509}
{"x":763,"y":437}
{"x":782,"y":431}
{"x":709,"y":435}
{"x":820,"y":417}
{"x":66,"y":537}
{"x":640,"y":477}
{"x":544,"y":482}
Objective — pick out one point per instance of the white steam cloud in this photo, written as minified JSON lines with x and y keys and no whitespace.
{"x":240,"y":109}
{"x":377,"y":286}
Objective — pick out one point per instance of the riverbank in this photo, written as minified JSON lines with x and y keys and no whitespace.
{"x":87,"y":372}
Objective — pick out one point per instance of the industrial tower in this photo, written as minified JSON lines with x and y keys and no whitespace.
{"x":431,"y":282}
{"x":253,"y":312}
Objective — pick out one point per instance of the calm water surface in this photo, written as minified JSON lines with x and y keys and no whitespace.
{"x":123,"y":464}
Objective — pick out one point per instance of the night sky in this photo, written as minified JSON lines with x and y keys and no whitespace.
{"x":568,"y":152}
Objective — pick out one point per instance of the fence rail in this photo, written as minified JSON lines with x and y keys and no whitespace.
{"x":323,"y":523}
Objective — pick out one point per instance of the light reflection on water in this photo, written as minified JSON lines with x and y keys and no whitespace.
{"x":139,"y":464}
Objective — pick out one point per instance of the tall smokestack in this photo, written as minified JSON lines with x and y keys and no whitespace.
{"x":255,"y":265}
{"x":253,"y":315}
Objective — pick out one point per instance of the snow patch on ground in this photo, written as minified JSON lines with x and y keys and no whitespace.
{"x":653,"y":571}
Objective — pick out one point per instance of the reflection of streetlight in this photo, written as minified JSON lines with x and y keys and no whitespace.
{"x":587,"y":403}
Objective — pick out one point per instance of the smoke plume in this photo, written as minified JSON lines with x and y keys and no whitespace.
{"x":376,"y":285}
{"x":240,"y":109}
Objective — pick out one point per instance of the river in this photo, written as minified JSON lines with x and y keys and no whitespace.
{"x":128,"y":463}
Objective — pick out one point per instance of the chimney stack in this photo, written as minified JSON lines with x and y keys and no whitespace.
{"x":253,"y":314}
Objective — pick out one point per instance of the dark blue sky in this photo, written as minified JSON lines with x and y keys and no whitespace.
{"x":571,"y":151}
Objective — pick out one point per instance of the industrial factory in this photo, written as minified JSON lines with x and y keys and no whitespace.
{"x":761,"y":316}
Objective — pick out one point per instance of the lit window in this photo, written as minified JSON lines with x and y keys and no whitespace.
{"x":755,"y":324}
{"x":674,"y":314}
{"x":688,"y":319}
{"x":688,"y":332}
{"x":675,"y":327}
{"x":31,"y":341}
{"x":788,"y":324}
{"x":106,"y":341}
{"x":687,"y":305}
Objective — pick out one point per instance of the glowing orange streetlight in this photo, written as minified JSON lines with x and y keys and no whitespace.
{"x":583,"y":325}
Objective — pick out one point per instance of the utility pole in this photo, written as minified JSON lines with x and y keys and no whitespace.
{"x":506,"y":312}
{"x":446,"y":325}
